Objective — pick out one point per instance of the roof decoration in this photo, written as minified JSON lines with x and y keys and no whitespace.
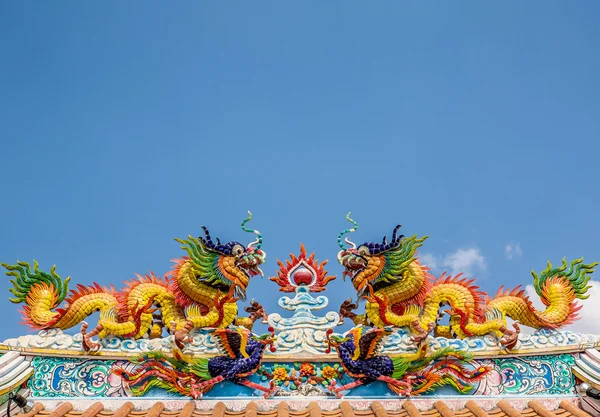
{"x":401,"y":292}
{"x":200,"y":292}
{"x":193,"y":376}
{"x":178,"y":336}
{"x":409,"y":375}
{"x":304,"y":332}
{"x":529,"y":406}
{"x":302,"y":271}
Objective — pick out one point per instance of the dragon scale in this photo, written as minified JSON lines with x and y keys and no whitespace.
{"x":106,"y":301}
{"x":200,"y":291}
{"x":400,"y":291}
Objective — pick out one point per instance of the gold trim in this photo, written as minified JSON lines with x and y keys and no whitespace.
{"x":291,"y":357}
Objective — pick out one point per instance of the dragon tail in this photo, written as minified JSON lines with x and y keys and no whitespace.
{"x":558,"y":288}
{"x":40,"y":291}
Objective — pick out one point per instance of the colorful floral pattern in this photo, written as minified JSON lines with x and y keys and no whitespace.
{"x":294,"y":375}
{"x":548,"y":375}
{"x":280,"y":373}
{"x":534,"y":375}
{"x":307,"y":369}
{"x":329,"y":372}
{"x":63,"y":377}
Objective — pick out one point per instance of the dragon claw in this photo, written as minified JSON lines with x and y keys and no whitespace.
{"x":346,"y":310}
{"x":257,"y":312}
{"x":422,"y":333}
{"x":511,"y":337}
{"x":89,"y":346}
{"x":182,"y":336}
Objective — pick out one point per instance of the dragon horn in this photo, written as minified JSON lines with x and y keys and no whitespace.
{"x":354,"y":229}
{"x":208,"y":238}
{"x":258,"y":240}
{"x":351,"y":243}
{"x":394,"y":241}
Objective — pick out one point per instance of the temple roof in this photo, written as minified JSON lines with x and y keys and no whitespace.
{"x":409,"y":408}
{"x":150,"y":362}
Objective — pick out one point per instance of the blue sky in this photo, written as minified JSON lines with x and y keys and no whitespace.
{"x":124,"y":125}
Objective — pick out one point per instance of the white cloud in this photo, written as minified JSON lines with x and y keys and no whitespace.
{"x":469,"y":261}
{"x":589,"y":315}
{"x":513,"y":250}
{"x":430,"y":260}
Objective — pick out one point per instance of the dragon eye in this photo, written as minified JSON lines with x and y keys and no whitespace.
{"x":363,"y":250}
{"x":238,"y":250}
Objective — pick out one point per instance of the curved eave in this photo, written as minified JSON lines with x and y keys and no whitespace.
{"x":16,"y":383}
{"x":587,"y":367}
{"x":15,"y":369}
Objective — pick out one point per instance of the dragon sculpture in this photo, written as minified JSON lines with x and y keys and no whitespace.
{"x":200,"y":291}
{"x":407,"y":375}
{"x":193,"y":376}
{"x":400,"y":291}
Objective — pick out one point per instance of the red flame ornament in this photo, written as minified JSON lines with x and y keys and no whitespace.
{"x":302,"y":271}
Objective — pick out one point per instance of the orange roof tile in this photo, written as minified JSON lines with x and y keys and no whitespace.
{"x":376,"y":409}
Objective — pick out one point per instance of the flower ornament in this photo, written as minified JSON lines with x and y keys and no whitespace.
{"x":307,"y":369}
{"x":280,"y":373}
{"x":328,"y":372}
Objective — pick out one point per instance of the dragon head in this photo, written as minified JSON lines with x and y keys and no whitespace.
{"x":236,"y":260}
{"x":267,"y":339}
{"x":222,"y":265}
{"x":377,"y":263}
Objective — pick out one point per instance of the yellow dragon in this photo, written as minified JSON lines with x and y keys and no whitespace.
{"x":400,"y":291}
{"x":200,"y":291}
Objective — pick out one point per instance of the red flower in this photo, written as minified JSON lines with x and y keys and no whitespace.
{"x":307,"y":369}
